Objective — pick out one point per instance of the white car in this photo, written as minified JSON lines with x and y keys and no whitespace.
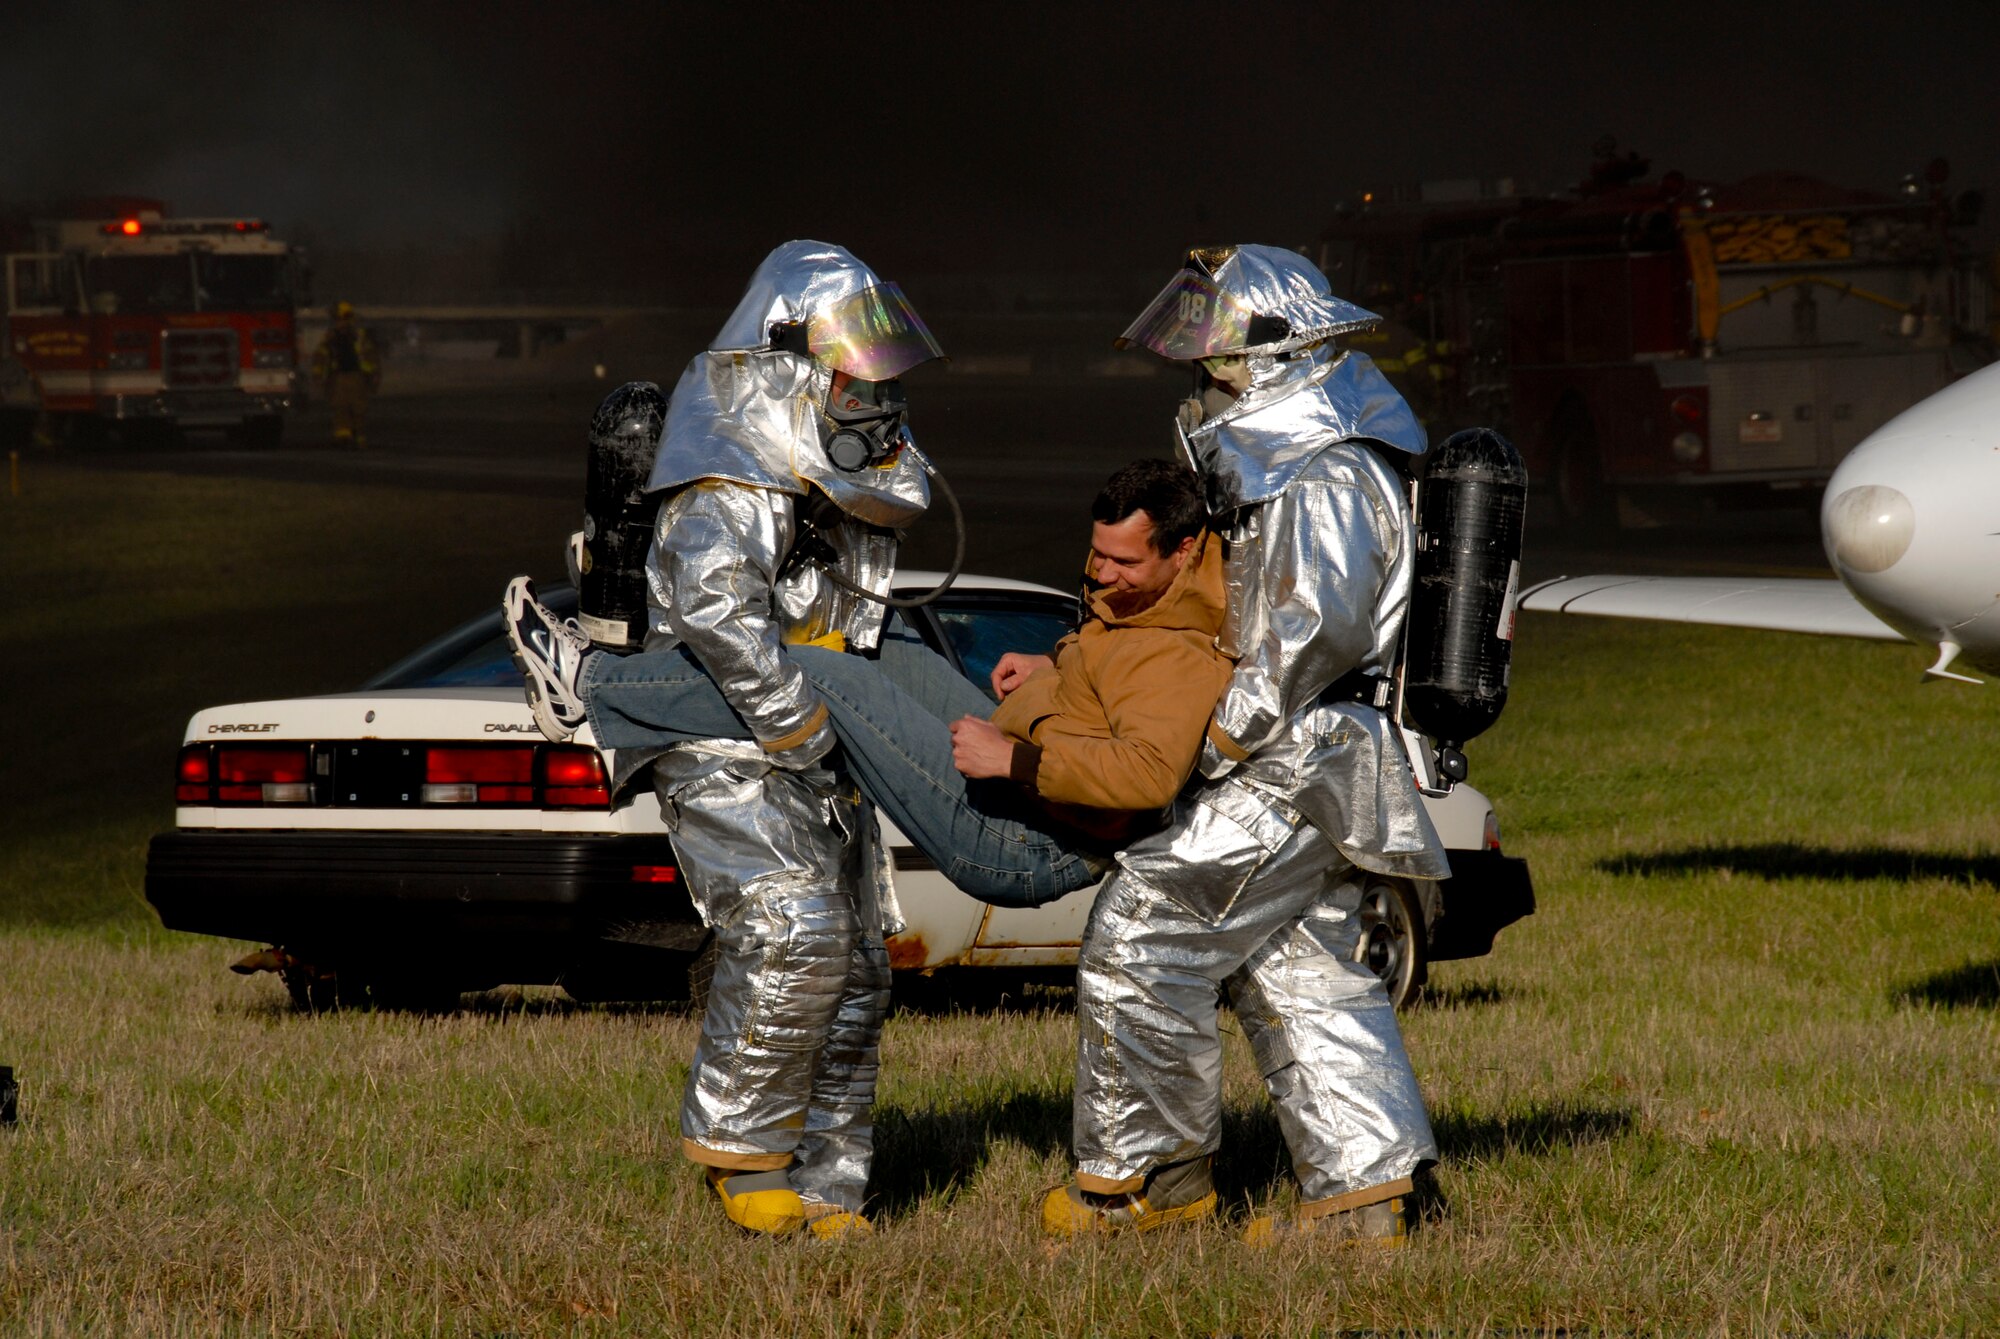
{"x":419,"y":837}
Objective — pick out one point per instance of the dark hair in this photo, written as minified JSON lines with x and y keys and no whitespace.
{"x":1165,"y":490}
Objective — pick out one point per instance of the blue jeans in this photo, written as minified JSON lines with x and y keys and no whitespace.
{"x":893,"y":718}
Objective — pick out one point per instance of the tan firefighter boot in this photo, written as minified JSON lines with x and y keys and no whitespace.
{"x":1377,"y":1216}
{"x":1180,"y":1192}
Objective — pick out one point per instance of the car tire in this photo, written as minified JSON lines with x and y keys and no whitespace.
{"x":1394,"y":939}
{"x":414,"y":994}
{"x":630,"y":973}
{"x":311,"y":990}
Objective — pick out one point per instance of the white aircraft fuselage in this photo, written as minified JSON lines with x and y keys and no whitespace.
{"x":1911,"y":522}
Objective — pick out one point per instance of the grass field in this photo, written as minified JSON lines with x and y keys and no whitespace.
{"x":1740,"y":1074}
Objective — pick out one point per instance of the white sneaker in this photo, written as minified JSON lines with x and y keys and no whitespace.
{"x":549,"y":653}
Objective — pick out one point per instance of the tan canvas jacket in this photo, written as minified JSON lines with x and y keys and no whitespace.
{"x":1117,"y":723}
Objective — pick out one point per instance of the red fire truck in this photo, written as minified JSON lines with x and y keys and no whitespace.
{"x":1633,"y":335}
{"x":128,"y":316}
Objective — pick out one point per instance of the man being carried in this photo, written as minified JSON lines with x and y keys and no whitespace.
{"x":1100,"y":736}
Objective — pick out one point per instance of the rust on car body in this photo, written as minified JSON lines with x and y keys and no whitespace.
{"x":908,"y":952}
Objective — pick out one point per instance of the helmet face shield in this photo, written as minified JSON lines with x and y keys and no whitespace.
{"x":874,"y":334}
{"x":1191,"y":318}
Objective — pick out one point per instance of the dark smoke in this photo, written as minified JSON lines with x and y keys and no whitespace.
{"x":654,"y":151}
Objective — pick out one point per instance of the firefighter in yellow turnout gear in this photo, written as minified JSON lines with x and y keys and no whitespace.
{"x":348,"y":370}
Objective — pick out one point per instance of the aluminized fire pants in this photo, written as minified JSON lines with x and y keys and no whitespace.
{"x":785,"y":1068}
{"x":1149,"y":978}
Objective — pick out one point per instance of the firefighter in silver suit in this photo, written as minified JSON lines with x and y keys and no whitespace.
{"x":1254,"y":888}
{"x":784,"y":456}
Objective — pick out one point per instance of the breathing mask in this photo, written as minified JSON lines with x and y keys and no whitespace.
{"x":864,"y":423}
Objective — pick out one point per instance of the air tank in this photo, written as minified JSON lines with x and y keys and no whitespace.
{"x":1468,"y":576}
{"x":618,"y":516}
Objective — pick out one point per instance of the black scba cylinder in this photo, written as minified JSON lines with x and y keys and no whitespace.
{"x":1468,"y":574}
{"x":618,"y":515}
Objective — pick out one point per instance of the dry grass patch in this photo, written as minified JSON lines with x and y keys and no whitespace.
{"x":195,"y":1157}
{"x":1740,"y":1074}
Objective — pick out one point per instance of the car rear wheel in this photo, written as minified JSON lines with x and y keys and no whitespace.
{"x":1393,"y":939}
{"x":413,"y":993}
{"x":620,"y":973}
{"x":313,"y":989}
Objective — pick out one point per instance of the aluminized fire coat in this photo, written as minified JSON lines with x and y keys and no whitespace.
{"x":1318,"y":584}
{"x":1256,"y":884}
{"x":781,"y":855}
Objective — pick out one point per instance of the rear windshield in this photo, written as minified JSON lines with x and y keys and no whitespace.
{"x":981,"y":633}
{"x":476,"y":655}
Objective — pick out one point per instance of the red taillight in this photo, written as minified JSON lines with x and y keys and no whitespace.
{"x":480,"y":775}
{"x":573,"y":777}
{"x":554,"y":776}
{"x":574,"y":767}
{"x":654,"y":874}
{"x":261,"y":774}
{"x":1688,"y":409}
{"x":191,"y":775}
{"x":514,"y":766}
{"x":193,"y":765}
{"x":242,"y":764}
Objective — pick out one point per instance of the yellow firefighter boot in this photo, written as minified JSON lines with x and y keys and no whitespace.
{"x":830,"y":1222}
{"x":1180,"y":1192}
{"x":1383,"y":1224}
{"x":759,"y":1201}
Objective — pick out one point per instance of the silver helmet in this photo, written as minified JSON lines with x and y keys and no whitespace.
{"x":758,"y":407}
{"x":818,"y":300}
{"x":1243,"y":300}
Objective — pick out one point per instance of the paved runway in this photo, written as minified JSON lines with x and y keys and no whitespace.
{"x":1025,"y":457}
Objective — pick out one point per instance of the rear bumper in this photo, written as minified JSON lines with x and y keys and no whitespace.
{"x":1486,"y":893}
{"x":533,"y":899}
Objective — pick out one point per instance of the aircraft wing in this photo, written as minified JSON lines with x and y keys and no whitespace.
{"x":1782,"y":604}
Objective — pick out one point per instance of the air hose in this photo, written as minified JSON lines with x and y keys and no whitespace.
{"x":951,"y":573}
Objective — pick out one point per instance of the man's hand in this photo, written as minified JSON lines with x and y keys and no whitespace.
{"x":978,"y":749}
{"x":1012,"y":671}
